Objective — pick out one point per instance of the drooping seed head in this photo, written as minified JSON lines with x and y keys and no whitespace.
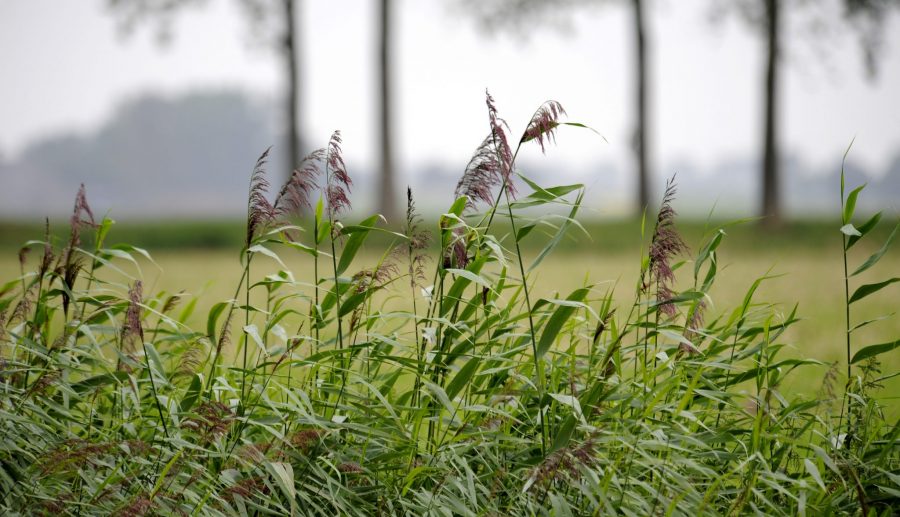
{"x":337,"y":189}
{"x":260,"y":212}
{"x":664,"y":246}
{"x":543,"y":124}
{"x":295,"y":195}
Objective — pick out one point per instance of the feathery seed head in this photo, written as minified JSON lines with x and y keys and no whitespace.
{"x":260,"y":213}
{"x":665,"y":244}
{"x":418,"y":242}
{"x":212,"y":419}
{"x":306,"y":439}
{"x":544,"y":122}
{"x":81,"y":209}
{"x":338,"y":182}
{"x":132,"y":327}
{"x":295,"y":196}
{"x":490,"y":165}
{"x":504,"y":153}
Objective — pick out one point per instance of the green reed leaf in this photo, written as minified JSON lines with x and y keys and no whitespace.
{"x":866,"y":290}
{"x":550,"y":246}
{"x":875,"y":257}
{"x":213,"y":317}
{"x":557,"y":320}
{"x":864,"y":229}
{"x":850,"y":205}
{"x":191,"y":395}
{"x":462,"y":377}
{"x":873,"y":351}
{"x":358,"y":234}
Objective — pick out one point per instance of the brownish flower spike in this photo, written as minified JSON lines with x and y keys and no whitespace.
{"x":211,"y":420}
{"x":543,"y":124}
{"x":295,"y":195}
{"x":481,"y":175}
{"x":47,"y":257}
{"x":418,"y":242}
{"x":306,"y":439}
{"x":501,"y":144}
{"x":337,"y":190}
{"x":82,"y":208}
{"x":133,"y":328}
{"x":23,"y":255}
{"x":69,"y":265}
{"x":490,"y":165}
{"x":260,"y":212}
{"x":666,"y":243}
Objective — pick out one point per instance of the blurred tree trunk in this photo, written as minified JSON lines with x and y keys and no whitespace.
{"x":640,"y":133}
{"x":771,"y":202}
{"x":293,"y":85}
{"x":386,"y":205}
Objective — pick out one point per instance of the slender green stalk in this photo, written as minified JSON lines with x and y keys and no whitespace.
{"x":315,"y":311}
{"x":246,"y":324}
{"x":538,"y":368}
{"x":218,"y":349}
{"x":162,"y":418}
{"x":845,"y":400}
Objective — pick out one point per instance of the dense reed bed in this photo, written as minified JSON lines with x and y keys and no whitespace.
{"x":429,"y":383}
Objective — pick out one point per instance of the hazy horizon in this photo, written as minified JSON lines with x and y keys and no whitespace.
{"x":69,"y":70}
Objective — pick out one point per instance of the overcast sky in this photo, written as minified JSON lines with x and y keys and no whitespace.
{"x":66,"y":67}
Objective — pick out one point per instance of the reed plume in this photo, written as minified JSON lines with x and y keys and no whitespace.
{"x":210,"y":421}
{"x":190,"y":361}
{"x":132,"y":328}
{"x":260,"y":213}
{"x":338,"y":184}
{"x":68,"y":265}
{"x":295,"y":195}
{"x":418,"y":242}
{"x":81,"y":210}
{"x":499,"y":129}
{"x":172,"y":302}
{"x":543,"y":124}
{"x":490,"y":165}
{"x":692,"y":326}
{"x":565,"y":463}
{"x":664,"y":246}
{"x":482,"y":174}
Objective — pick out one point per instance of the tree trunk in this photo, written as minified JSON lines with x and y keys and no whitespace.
{"x":771,"y":203}
{"x":640,"y":131}
{"x":293,"y":93}
{"x":386,"y":205}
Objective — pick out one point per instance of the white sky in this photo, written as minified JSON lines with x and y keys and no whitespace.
{"x":65,"y":67}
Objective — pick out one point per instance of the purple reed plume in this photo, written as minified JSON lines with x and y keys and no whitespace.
{"x":418,"y":242}
{"x":338,"y":185}
{"x":132,"y":328}
{"x":666,"y":243}
{"x":501,"y":144}
{"x":544,"y":122}
{"x":260,"y":212}
{"x":295,"y":195}
{"x":490,"y":165}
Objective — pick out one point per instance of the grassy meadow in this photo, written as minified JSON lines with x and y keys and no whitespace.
{"x":199,"y":258}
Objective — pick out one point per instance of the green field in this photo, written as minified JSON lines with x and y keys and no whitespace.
{"x":202,"y":260}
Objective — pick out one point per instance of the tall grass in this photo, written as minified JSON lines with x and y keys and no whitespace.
{"x":427,"y":386}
